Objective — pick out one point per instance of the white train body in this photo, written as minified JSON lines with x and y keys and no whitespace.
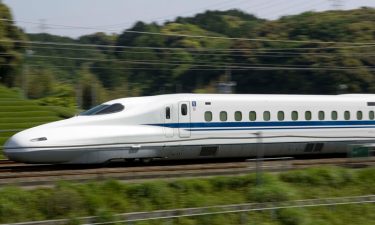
{"x":188,"y":126}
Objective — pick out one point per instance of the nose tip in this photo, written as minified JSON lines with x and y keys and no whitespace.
{"x":13,"y":145}
{"x":10,"y":144}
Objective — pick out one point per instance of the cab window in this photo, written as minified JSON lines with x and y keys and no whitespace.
{"x":103,"y":109}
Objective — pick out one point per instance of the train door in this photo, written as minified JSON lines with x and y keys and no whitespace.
{"x":184,"y":119}
{"x":167,"y":114}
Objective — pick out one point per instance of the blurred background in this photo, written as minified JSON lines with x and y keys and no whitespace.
{"x":57,"y":58}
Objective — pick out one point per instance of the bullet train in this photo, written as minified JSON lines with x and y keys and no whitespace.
{"x":192,"y":126}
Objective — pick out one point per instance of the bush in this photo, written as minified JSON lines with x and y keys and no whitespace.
{"x":189,"y":186}
{"x":63,"y":111}
{"x":222,"y":183}
{"x":271,"y":190}
{"x":320,"y":176}
{"x":17,"y":205}
{"x":62,"y":202}
{"x":293,"y":216}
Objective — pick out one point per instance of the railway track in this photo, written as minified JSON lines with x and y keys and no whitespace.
{"x":39,"y":175}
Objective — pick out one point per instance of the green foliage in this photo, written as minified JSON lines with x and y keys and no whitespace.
{"x":271,"y":190}
{"x":293,"y":216}
{"x":122,"y":71}
{"x":321,"y":176}
{"x":106,"y":199}
{"x":11,"y":52}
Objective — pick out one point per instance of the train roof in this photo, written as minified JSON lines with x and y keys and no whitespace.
{"x":247,"y":97}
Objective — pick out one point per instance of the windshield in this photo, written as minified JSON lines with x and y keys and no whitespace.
{"x":103,"y":109}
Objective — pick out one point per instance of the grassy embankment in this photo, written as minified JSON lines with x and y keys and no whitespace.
{"x":17,"y":113}
{"x":110,"y":197}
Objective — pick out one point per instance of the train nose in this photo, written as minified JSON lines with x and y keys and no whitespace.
{"x":18,"y":146}
{"x":12,"y":146}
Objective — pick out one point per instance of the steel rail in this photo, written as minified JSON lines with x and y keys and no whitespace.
{"x":26,"y":175}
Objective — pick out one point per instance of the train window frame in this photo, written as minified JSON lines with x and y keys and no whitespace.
{"x":321,"y":115}
{"x":308,"y":115}
{"x":294,"y":115}
{"x":223,"y":116}
{"x":208,"y":116}
{"x":280,"y":115}
{"x":334,"y":115}
{"x":168,"y":113}
{"x":184,"y":109}
{"x":347,"y":115}
{"x":266,"y":116}
{"x":359,"y":115}
{"x":252,"y":116}
{"x":371,"y":115}
{"x":103,"y":109}
{"x":238,"y":116}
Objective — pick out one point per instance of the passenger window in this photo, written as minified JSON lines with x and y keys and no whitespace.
{"x":359,"y":115}
{"x":238,"y":116}
{"x":294,"y":115}
{"x":223,"y":116}
{"x":308,"y":115}
{"x":208,"y":116}
{"x":371,"y":115}
{"x":280,"y":115}
{"x":266,"y":115}
{"x":184,"y":109}
{"x":252,"y":115}
{"x":321,"y":115}
{"x":347,"y":115}
{"x":168,"y":113}
{"x":334,"y":115}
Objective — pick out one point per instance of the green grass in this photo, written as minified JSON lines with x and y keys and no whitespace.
{"x":68,"y":200}
{"x":18,"y":113}
{"x":28,"y":119}
{"x":8,"y":126}
{"x":16,"y":102}
{"x":3,"y":140}
{"x":7,"y":134}
{"x":27,"y":114}
{"x":20,"y":108}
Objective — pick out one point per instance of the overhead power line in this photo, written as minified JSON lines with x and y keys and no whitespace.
{"x":181,"y":62}
{"x":354,"y":45}
{"x":219,"y":68}
{"x":214,"y":37}
{"x":267,"y":54}
{"x":218,"y":65}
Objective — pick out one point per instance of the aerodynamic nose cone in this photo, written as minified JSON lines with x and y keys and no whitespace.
{"x":11,"y":146}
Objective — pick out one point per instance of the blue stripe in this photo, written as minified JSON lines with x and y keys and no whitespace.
{"x":278,"y":128}
{"x":272,"y":125}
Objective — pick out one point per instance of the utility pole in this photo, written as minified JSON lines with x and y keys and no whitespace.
{"x":226,"y":87}
{"x":259,"y":161}
{"x":42,"y":26}
{"x":337,"y":4}
{"x":25,"y":72}
{"x":93,"y":94}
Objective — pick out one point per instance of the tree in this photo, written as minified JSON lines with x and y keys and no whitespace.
{"x":11,"y":51}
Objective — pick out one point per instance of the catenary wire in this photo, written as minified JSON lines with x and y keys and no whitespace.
{"x":366,"y":46}
{"x":218,"y":37}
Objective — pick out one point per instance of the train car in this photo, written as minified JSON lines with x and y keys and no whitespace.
{"x":193,"y":126}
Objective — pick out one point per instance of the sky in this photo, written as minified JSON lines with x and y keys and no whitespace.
{"x":79,"y":17}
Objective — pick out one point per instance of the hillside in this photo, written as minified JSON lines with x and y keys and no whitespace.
{"x":17,"y":114}
{"x":308,"y":66}
{"x":311,"y":53}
